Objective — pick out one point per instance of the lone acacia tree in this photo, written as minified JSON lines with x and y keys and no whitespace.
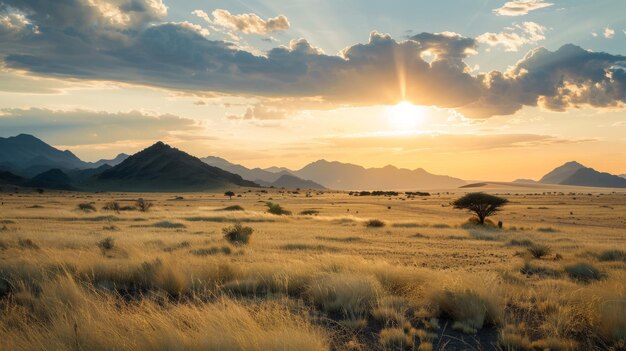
{"x":483,"y":205}
{"x":230,"y":194}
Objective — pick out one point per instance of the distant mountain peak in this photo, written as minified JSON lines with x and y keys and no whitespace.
{"x":574,"y":173}
{"x":161,"y":167}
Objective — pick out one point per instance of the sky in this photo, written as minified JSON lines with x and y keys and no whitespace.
{"x":481,"y":89}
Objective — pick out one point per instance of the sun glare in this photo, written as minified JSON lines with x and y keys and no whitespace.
{"x":405,"y":116}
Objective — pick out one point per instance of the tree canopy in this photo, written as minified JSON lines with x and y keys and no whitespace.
{"x":483,"y":205}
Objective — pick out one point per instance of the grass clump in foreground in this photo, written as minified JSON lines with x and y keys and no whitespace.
{"x":105,"y":245}
{"x":238,"y":234}
{"x":374,"y":223}
{"x":583,"y":272}
{"x":276,"y":209}
{"x":538,"y":251}
{"x":470,"y":304}
{"x":102,"y":322}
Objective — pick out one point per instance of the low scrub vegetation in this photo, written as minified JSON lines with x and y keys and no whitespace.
{"x":276,"y":209}
{"x":175,"y":278}
{"x":232,"y":208}
{"x":143,"y":205}
{"x":539,"y":251}
{"x":106,"y":245}
{"x":238,"y":234}
{"x":87,"y":207}
{"x":612,"y":255}
{"x":309,"y":213}
{"x":374,"y":223}
{"x":583,"y":272}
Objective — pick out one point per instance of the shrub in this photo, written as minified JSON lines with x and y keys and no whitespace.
{"x":521,"y":242}
{"x":87,"y":207}
{"x":547,"y":230}
{"x":143,"y":205}
{"x":583,"y":272}
{"x":395,"y":339}
{"x":471,"y":302}
{"x":27,"y":244}
{"x":112,"y":206}
{"x":309,"y":213}
{"x":230,"y":194}
{"x":345,"y":293}
{"x":483,"y":205}
{"x":226,"y":250}
{"x":105,"y":245}
{"x":374,"y":223}
{"x":168,"y":225}
{"x":276,"y":209}
{"x":539,"y":250}
{"x":232,"y":208}
{"x":612,"y":255}
{"x":238,"y":234}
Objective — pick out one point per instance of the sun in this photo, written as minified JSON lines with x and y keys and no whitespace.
{"x":405,"y":116}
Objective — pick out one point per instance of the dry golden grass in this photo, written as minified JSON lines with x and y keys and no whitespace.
{"x":167,"y":279}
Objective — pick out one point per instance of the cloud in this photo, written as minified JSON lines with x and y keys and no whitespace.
{"x":80,"y":42}
{"x":570,"y":77}
{"x":447,"y":142}
{"x":82,"y":127}
{"x":512,"y":38}
{"x":609,"y":33}
{"x":521,"y":7}
{"x":248,"y":23}
{"x":261,"y":112}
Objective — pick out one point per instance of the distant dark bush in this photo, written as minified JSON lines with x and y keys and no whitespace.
{"x":309,"y":212}
{"x":374,"y":223}
{"x":87,"y":207}
{"x":276,"y":209}
{"x":230,"y":194}
{"x":612,"y":255}
{"x":416,"y":193}
{"x":521,"y":242}
{"x":143,"y":205}
{"x":116,"y":207}
{"x":232,"y":208}
{"x":547,"y":230}
{"x":226,"y":250}
{"x":168,"y":225}
{"x":583,"y":272}
{"x":539,"y":250}
{"x":112,"y":206}
{"x":238,"y":234}
{"x":105,"y":245}
{"x":27,"y":244}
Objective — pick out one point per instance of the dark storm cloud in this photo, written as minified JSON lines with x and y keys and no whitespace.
{"x":127,"y":41}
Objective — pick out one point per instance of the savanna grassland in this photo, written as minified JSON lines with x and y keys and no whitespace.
{"x":89,"y":271}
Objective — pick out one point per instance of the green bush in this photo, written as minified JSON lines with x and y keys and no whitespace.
{"x":612,"y":255}
{"x":276,"y":209}
{"x":238,"y":234}
{"x":583,"y":272}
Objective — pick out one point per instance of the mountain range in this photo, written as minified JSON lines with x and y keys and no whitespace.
{"x":28,"y":161}
{"x":574,"y":173}
{"x":340,"y":176}
{"x":27,"y":156}
{"x":275,"y":176}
